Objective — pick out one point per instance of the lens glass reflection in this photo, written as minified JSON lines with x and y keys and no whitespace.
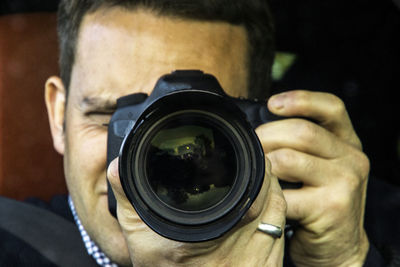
{"x":191,"y":164}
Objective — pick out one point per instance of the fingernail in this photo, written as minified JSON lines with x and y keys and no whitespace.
{"x":277,"y":101}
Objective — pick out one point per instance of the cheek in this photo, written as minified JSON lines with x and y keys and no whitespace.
{"x":85,"y":158}
{"x":93,"y":151}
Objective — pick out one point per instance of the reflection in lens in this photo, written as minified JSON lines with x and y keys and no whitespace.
{"x":191,"y":165}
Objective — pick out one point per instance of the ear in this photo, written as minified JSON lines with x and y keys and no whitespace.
{"x":55,"y":102}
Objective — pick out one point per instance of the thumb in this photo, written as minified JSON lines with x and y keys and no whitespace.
{"x":115,"y":182}
{"x":125,"y":211}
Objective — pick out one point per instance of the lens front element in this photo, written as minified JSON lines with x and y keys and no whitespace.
{"x":191,"y":164}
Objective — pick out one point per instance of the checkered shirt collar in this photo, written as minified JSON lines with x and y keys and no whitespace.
{"x":91,"y":247}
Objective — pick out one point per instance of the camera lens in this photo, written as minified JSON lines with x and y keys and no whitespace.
{"x":191,"y":163}
{"x":191,"y":166}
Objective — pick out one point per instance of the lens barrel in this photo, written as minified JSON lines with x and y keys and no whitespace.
{"x":191,"y":166}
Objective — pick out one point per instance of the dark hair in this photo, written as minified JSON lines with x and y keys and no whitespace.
{"x":253,"y":14}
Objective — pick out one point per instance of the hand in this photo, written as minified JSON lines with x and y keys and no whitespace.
{"x":242,"y":246}
{"x":327,"y":158}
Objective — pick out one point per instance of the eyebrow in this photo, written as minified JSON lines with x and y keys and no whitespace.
{"x":98,"y":103}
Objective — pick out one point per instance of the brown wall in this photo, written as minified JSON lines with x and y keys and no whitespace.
{"x":29,"y":166}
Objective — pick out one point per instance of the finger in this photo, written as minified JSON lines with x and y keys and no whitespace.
{"x":302,"y":204}
{"x":275,"y":209}
{"x":274,"y":212}
{"x":327,"y":109}
{"x":295,"y":166}
{"x":275,"y":258}
{"x":301,"y":135}
{"x":312,"y":206}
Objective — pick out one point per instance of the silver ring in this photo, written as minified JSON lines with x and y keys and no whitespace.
{"x":269,"y":229}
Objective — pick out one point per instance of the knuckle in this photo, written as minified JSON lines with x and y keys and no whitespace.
{"x":337,"y":203}
{"x":300,"y":97}
{"x":352,"y":182}
{"x":278,"y":203}
{"x":282,"y":157}
{"x":355,"y":142}
{"x":357,"y":169}
{"x":364,"y":164}
{"x":305,"y":131}
{"x":268,"y":164}
{"x":337,"y":108}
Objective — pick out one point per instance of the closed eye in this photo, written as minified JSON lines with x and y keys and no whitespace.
{"x":101,"y":118}
{"x":98,"y":110}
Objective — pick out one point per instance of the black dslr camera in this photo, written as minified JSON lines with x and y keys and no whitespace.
{"x":189,"y":160}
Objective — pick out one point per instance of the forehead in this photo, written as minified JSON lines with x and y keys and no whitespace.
{"x":121,"y":52}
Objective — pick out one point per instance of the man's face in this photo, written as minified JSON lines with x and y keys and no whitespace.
{"x":122,"y":52}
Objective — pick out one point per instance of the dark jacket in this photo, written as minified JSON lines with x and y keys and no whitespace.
{"x":382,"y":223}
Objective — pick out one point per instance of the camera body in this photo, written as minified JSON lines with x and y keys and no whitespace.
{"x":190,"y":161}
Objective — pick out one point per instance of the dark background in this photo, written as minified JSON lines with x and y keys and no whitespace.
{"x":349,"y":48}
